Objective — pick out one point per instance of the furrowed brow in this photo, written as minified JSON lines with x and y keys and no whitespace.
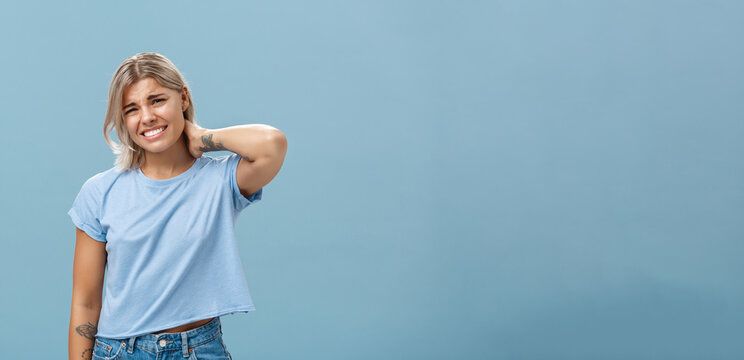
{"x":148,"y":98}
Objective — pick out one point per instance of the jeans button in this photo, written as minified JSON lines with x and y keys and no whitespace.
{"x":162,"y":342}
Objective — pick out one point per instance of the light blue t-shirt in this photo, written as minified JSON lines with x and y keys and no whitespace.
{"x":172,"y":255}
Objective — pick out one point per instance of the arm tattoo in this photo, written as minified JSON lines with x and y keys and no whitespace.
{"x":87,"y":354}
{"x":87,"y":330}
{"x":210,"y":145}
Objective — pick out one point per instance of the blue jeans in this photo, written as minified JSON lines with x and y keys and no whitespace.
{"x":202,"y":343}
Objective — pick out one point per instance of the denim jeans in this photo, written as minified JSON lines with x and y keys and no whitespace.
{"x":202,"y":343}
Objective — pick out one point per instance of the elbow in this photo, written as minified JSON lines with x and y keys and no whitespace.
{"x":87,"y":305}
{"x":279,"y":142}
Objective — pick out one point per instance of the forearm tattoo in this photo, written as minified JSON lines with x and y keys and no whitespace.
{"x":87,"y":330}
{"x":210,"y":145}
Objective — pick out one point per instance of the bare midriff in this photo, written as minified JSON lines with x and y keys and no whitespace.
{"x":184,"y":327}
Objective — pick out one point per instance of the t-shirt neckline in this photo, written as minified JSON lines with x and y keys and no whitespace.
{"x":164,"y":182}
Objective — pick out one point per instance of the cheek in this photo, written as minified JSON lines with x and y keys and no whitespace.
{"x":132,"y":128}
{"x":176,"y":117}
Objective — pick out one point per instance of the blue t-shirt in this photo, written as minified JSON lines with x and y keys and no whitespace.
{"x":172,"y":255}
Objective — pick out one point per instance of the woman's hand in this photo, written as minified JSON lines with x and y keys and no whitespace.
{"x":196,"y":136}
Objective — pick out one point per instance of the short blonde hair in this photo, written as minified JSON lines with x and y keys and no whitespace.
{"x":147,"y":64}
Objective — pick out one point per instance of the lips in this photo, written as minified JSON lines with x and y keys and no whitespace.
{"x":151,"y":129}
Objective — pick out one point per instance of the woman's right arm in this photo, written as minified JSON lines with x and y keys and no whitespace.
{"x":89,"y":266}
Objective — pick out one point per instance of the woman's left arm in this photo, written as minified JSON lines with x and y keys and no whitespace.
{"x":261,"y":147}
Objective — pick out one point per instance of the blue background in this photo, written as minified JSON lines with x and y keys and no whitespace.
{"x":464,"y":179}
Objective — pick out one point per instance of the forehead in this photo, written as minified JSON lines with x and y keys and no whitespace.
{"x":142,"y":88}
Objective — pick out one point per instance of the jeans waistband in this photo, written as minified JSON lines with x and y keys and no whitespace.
{"x":180,"y":340}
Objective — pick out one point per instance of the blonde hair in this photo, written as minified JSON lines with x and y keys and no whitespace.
{"x":147,"y":64}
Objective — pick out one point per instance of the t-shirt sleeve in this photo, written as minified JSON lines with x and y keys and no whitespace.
{"x":85,"y":211}
{"x":240,"y":202}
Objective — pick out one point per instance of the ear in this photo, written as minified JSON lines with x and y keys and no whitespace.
{"x":184,"y":98}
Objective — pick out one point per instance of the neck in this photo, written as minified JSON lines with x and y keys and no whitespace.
{"x":169,"y":163}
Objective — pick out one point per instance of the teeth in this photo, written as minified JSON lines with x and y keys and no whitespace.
{"x":151,"y":133}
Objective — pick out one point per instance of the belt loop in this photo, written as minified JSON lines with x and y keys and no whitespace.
{"x":219,"y":321}
{"x":130,"y":348}
{"x":185,"y":344}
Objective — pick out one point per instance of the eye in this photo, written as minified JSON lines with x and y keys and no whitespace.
{"x":130,"y":110}
{"x":158,"y":100}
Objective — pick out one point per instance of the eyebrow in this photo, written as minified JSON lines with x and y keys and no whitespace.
{"x":148,"y":98}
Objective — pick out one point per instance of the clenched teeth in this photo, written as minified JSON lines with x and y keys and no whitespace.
{"x":153,"y":132}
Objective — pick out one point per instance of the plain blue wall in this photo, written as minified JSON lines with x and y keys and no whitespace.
{"x":464,"y":179}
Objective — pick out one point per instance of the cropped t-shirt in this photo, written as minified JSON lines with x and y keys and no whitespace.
{"x":172,"y":257}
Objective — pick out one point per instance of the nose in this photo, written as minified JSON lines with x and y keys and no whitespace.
{"x":147,"y":115}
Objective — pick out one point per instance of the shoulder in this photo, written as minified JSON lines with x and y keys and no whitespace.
{"x":99,"y":182}
{"x":222,"y":161}
{"x":216,"y":159}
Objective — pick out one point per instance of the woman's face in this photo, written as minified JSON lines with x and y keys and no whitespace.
{"x":149,"y":106}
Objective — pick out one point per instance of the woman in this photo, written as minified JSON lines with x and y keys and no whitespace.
{"x":161,"y":223}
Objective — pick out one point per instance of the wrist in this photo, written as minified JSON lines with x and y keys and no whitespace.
{"x":209,"y":141}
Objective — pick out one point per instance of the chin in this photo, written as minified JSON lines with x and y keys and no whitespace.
{"x":156,"y":148}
